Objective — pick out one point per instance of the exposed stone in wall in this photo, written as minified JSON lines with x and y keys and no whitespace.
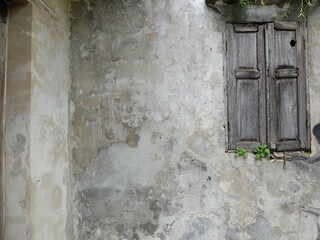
{"x":271,"y":10}
{"x":148,"y":133}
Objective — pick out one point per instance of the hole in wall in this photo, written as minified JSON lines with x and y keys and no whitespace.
{"x":292,"y":43}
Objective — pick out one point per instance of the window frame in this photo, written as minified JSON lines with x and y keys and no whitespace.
{"x":268,"y":135}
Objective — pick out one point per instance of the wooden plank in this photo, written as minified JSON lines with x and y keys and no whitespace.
{"x":286,"y":25}
{"x":288,"y":110}
{"x":271,"y":88}
{"x":304,"y":123}
{"x":247,"y":50}
{"x":246,"y":97}
{"x":288,"y":145}
{"x":231,"y":87}
{"x":246,"y":28}
{"x":285,"y":53}
{"x":248,"y":145}
{"x":286,"y":73}
{"x":262,"y":86}
{"x":247,"y":110}
{"x":247,"y":74}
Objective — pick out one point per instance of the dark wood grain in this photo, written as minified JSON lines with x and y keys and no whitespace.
{"x":246,"y":86}
{"x":247,"y":74}
{"x":287,"y":108}
{"x":266,"y":86}
{"x":292,"y":145}
{"x":286,"y":73}
{"x":243,"y":28}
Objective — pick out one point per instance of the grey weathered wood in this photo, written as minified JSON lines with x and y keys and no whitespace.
{"x":245,"y":28}
{"x":274,"y":98}
{"x":286,"y":73}
{"x":288,"y":110}
{"x":286,"y":87}
{"x":286,"y":25}
{"x":304,"y":123}
{"x":247,"y":74}
{"x":291,"y":145}
{"x":249,"y":145}
{"x":286,"y":56}
{"x":246,"y":86}
{"x":247,"y":97}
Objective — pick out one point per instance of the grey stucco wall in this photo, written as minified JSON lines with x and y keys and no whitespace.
{"x":148,"y":138}
{"x":36,"y":166}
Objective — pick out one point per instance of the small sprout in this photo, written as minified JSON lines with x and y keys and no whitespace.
{"x":302,"y":14}
{"x":261,"y":151}
{"x":243,"y":3}
{"x":241,"y":152}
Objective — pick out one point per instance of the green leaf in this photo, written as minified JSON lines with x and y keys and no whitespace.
{"x":301,"y":14}
{"x":245,"y":155}
{"x":267,"y":151}
{"x":309,"y":4}
{"x":237,"y":155}
{"x":257,"y":156}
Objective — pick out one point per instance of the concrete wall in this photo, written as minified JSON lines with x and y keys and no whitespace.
{"x":3,"y":60}
{"x":148,"y":136}
{"x":49,"y":122}
{"x":17,"y":115}
{"x":37,"y":160}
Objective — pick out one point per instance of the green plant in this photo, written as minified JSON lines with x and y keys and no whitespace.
{"x":261,"y":151}
{"x":243,"y":3}
{"x":241,"y":152}
{"x":304,"y":5}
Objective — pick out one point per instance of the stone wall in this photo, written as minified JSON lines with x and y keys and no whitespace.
{"x":148,"y":138}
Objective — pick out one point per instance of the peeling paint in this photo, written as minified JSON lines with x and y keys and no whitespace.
{"x":148,"y":135}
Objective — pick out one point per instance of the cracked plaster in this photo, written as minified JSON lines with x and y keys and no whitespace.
{"x":148,"y":135}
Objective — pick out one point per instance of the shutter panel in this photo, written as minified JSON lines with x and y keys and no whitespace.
{"x":288,"y":126}
{"x":246,"y":86}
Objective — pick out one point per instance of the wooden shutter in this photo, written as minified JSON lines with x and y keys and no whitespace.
{"x":246,"y":86}
{"x":286,"y":86}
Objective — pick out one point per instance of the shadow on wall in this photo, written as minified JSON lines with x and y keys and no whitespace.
{"x":316,"y":158}
{"x":316,"y":132}
{"x":3,"y":11}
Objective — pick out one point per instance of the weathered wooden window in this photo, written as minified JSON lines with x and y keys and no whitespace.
{"x":266,"y":86}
